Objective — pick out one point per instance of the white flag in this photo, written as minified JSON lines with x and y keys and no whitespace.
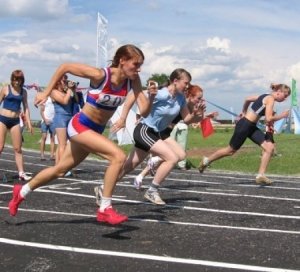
{"x":102,"y":23}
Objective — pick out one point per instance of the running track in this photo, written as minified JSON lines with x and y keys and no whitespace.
{"x":212,"y":222}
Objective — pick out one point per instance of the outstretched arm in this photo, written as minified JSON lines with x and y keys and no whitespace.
{"x":77,"y":69}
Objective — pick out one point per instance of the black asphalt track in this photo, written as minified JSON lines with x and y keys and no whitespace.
{"x":212,"y":222}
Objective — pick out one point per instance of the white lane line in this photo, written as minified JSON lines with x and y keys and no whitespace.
{"x":232,"y":194}
{"x":166,"y":189}
{"x":170,"y":222}
{"x":177,"y":206}
{"x":210,"y":189}
{"x":247,"y":177}
{"x":145,"y":256}
{"x":121,"y":184}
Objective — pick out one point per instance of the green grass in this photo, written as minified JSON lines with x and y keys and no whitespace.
{"x":245,"y":160}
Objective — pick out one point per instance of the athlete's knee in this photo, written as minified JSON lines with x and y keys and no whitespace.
{"x":268,"y":147}
{"x":231,"y":151}
{"x":118,"y":158}
{"x":59,"y":172}
{"x":18,"y":150}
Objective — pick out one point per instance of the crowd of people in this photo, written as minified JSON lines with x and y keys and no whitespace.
{"x":165,"y":111}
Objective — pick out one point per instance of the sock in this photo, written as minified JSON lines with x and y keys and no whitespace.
{"x":21,"y":173}
{"x":105,"y":203}
{"x":259,"y":175}
{"x":154,"y":187}
{"x":25,"y":190}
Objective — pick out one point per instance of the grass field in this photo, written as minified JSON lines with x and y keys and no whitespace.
{"x":245,"y":160}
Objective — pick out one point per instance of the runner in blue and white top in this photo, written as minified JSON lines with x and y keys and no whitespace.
{"x":165,"y":108}
{"x":148,"y":134}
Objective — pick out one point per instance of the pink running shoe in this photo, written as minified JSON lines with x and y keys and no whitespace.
{"x":16,"y":200}
{"x":110,"y":216}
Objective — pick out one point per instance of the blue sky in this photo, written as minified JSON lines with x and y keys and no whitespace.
{"x":233,"y":48}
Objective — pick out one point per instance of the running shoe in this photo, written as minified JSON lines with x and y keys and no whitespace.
{"x":204,"y":163}
{"x":263,"y":180}
{"x":98,"y":194}
{"x":137,"y":182}
{"x":13,"y":205}
{"x":110,"y":216}
{"x":68,"y":174}
{"x":154,"y":197}
{"x":24,"y":177}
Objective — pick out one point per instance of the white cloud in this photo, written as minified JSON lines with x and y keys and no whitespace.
{"x":220,"y":44}
{"x":230,"y":47}
{"x":34,"y":9}
{"x":294,"y":72}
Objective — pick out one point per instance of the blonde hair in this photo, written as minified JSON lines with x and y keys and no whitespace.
{"x":282,"y":87}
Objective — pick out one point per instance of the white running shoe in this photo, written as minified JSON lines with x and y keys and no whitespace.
{"x":154,"y":197}
{"x":24,"y":177}
{"x":98,"y":194}
{"x":137,"y":182}
{"x":203,"y":165}
{"x":68,"y":174}
{"x":262,"y":180}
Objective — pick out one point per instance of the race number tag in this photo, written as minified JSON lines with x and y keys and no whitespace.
{"x":110,"y":100}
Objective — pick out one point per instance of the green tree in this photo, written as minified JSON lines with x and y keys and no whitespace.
{"x":159,"y":78}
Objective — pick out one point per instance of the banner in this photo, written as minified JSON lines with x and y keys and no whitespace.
{"x":294,"y":94}
{"x":296,"y":114}
{"x":101,"y":60}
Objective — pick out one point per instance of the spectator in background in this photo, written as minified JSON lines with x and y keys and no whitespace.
{"x":47,"y":126}
{"x":64,"y":97}
{"x":14,"y":96}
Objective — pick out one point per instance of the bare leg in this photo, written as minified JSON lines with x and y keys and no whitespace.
{"x":135,"y":157}
{"x":170,"y":152}
{"x":223,"y":152}
{"x":62,"y":142}
{"x":73,"y":155}
{"x":17,"y":145}
{"x":52,"y":146}
{"x":268,"y":149}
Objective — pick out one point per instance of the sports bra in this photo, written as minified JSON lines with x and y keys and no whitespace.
{"x":105,"y":96}
{"x":258,"y":107}
{"x":13,"y":102}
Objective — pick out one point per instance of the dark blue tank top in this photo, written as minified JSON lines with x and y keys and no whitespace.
{"x":258,"y":106}
{"x":13,"y":102}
